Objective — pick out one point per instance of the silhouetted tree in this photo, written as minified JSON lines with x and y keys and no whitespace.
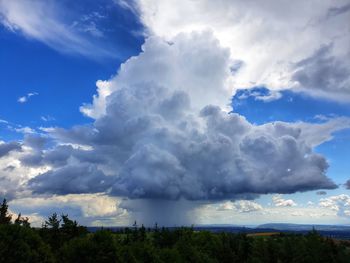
{"x":22,"y":221}
{"x":70,"y":229}
{"x":53,"y":222}
{"x":142,"y":233}
{"x":50,"y":233}
{"x":5,"y":217}
{"x":68,"y":223}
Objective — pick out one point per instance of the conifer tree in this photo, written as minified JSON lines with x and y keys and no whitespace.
{"x":5,"y":217}
{"x":22,"y":221}
{"x":53,"y":222}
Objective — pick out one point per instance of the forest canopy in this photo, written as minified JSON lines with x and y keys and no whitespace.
{"x":61,"y":239}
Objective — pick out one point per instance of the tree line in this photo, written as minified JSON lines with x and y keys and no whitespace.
{"x":61,"y":239}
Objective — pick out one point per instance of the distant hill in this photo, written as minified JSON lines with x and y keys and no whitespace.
{"x":259,"y":228}
{"x":333,"y":231}
{"x":303,"y":227}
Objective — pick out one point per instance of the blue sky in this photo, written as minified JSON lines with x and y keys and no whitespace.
{"x":120,"y":104}
{"x":63,"y":80}
{"x":291,"y":107}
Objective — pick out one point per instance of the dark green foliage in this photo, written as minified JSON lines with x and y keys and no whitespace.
{"x":57,"y":231}
{"x":73,"y":244}
{"x":5,"y":217}
{"x":22,"y":221}
{"x":22,"y":244}
{"x":298,"y":248}
{"x":98,"y":247}
{"x":70,"y":229}
{"x":63,"y":240}
{"x":53,"y":222}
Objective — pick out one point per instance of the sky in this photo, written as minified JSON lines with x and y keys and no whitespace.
{"x":176,"y":112}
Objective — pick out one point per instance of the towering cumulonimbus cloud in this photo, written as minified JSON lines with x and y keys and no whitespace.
{"x":164,"y":139}
{"x":161,"y":131}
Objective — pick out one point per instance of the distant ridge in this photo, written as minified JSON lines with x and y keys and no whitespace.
{"x":333,"y":231}
{"x":304,"y":227}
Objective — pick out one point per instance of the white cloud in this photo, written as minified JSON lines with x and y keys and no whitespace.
{"x":43,"y":20}
{"x":35,"y":219}
{"x":242,"y":206}
{"x":98,"y":106}
{"x":25,"y":130}
{"x":196,"y":64}
{"x":47,"y":129}
{"x":13,"y":174}
{"x":324,"y":130}
{"x":212,"y":214}
{"x":271,"y":96}
{"x":327,"y":117}
{"x":22,"y":99}
{"x":47,"y":118}
{"x":338,"y":203}
{"x":269,"y":37}
{"x":87,"y":23}
{"x":279,"y":201}
{"x":25,"y":98}
{"x":85,"y":208}
{"x":128,"y":5}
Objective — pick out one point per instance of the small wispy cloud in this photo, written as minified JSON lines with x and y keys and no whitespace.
{"x":18,"y":128}
{"x":130,"y":5}
{"x":47,"y":118}
{"x":261,"y":94}
{"x":42,"y":21}
{"x":88,"y":24}
{"x":241,"y":206}
{"x":278,"y":200}
{"x":327,"y":117}
{"x":25,"y":130}
{"x":25,"y":98}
